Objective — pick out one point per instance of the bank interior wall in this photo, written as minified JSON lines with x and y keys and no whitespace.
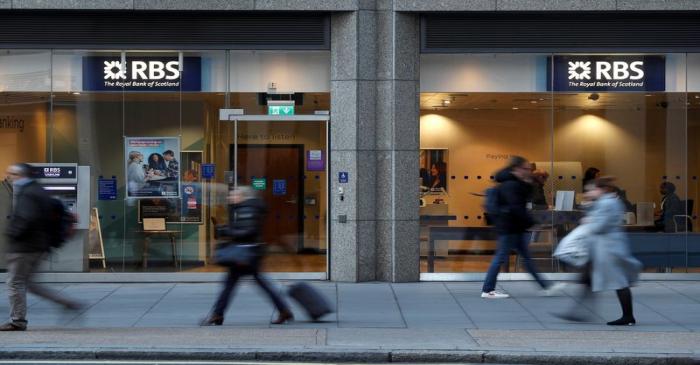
{"x":638,"y":147}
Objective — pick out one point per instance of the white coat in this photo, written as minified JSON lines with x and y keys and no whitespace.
{"x":612,"y":264}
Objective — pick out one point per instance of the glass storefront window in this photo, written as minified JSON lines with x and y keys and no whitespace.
{"x":145,"y":122}
{"x":25,"y":115}
{"x":629,"y":116}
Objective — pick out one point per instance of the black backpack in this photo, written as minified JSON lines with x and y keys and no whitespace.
{"x":492,"y":205}
{"x":61,"y":225}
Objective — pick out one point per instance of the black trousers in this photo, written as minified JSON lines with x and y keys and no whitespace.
{"x":234,"y":275}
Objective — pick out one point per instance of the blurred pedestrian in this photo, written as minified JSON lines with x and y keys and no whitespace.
{"x":512,"y":221}
{"x":611,"y":265}
{"x":243,"y":254}
{"x":30,"y":240}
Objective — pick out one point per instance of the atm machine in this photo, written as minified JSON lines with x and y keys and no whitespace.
{"x":69,"y":183}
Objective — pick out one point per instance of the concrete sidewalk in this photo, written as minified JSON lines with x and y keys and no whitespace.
{"x":374,"y":322}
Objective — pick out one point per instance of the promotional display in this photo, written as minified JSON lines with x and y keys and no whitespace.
{"x":191,"y":203}
{"x":142,"y":74}
{"x":152,"y":168}
{"x":315,"y":160}
{"x":159,"y":208}
{"x":106,"y":189}
{"x":607,"y":73}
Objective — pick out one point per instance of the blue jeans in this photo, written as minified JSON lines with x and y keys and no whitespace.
{"x":507,"y":242}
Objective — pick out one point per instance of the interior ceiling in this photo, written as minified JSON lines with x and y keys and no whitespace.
{"x":534,"y":101}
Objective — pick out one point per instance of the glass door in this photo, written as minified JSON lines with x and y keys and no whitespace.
{"x":285,"y":160}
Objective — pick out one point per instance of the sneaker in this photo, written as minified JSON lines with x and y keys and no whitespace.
{"x":494,"y":295}
{"x":554,"y":290}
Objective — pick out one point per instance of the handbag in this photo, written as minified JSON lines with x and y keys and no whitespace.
{"x":232,"y":254}
{"x":575,"y":247}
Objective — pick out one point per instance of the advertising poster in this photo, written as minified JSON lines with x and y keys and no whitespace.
{"x":191,"y":208}
{"x":152,"y":167}
{"x":159,"y":208}
{"x":433,"y":170}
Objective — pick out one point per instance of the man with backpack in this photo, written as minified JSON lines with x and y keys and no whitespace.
{"x":506,"y":206}
{"x":32,"y":231}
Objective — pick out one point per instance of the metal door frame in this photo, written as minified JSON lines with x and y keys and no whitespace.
{"x":227,"y":115}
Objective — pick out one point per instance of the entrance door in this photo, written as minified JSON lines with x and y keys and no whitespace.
{"x":285,"y":158}
{"x":280,"y":167}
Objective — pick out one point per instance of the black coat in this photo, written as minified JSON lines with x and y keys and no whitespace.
{"x":246,"y":221}
{"x":513,"y":195}
{"x":28,"y":227}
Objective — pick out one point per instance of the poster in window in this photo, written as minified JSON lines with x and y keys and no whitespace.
{"x":433,"y":170}
{"x":191,"y":203}
{"x":169,"y":209}
{"x":152,"y":167}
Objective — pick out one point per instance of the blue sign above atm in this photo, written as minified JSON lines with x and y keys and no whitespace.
{"x":609,"y":73}
{"x":142,"y":74}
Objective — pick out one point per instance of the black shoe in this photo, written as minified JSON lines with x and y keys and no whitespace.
{"x":283,"y":318}
{"x":623,"y":322}
{"x":13,"y":327}
{"x":213,"y":320}
{"x":571,"y":317}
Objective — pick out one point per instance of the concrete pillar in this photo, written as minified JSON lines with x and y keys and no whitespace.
{"x":353,"y":109}
{"x":397,"y":145}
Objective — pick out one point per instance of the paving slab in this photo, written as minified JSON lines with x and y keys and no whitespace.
{"x":425,"y":322}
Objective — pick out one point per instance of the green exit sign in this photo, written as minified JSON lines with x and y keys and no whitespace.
{"x":259,"y":183}
{"x":280,"y":110}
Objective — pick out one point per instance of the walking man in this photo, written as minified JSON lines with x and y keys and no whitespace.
{"x":29,"y":241}
{"x":512,"y":220}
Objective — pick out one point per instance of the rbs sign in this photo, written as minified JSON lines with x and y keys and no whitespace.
{"x":141,"y":74}
{"x":608,"y":73}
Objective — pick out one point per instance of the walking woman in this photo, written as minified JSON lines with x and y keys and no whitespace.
{"x":611,"y":265}
{"x":246,"y":216}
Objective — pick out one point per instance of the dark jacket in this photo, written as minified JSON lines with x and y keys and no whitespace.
{"x":513,"y":195}
{"x":28,"y":227}
{"x":671,"y":206}
{"x":246,"y":221}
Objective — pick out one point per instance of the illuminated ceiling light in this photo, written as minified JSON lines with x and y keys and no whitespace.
{"x":446,"y":102}
{"x":697,"y":96}
{"x":533,"y":101}
{"x":76,"y":92}
{"x":476,"y":108}
{"x":647,"y":95}
{"x":515,"y":108}
{"x":541,"y":99}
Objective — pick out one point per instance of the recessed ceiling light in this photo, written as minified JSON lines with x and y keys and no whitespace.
{"x":647,"y":95}
{"x":541,"y":99}
{"x":515,"y":108}
{"x":76,"y":93}
{"x":697,"y":96}
{"x":446,"y":102}
{"x":533,"y":101}
{"x":476,"y":108}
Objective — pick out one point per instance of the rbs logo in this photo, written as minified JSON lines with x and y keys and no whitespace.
{"x":605,"y":70}
{"x":142,"y":70}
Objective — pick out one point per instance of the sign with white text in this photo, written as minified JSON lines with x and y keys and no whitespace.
{"x":607,"y":73}
{"x":142,"y":74}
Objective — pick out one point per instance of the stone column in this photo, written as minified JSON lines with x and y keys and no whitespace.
{"x":397,"y":144}
{"x":352,"y":136}
{"x":374,"y":138}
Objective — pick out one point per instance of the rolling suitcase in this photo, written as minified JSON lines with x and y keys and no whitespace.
{"x":310,"y":299}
